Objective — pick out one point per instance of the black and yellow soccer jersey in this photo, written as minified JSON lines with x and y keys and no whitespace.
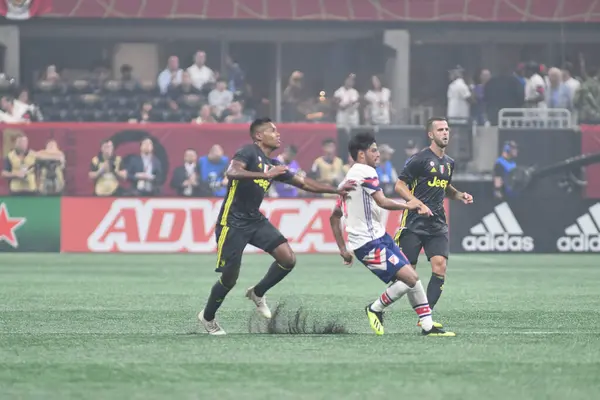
{"x":241,"y":206}
{"x":427,"y":176}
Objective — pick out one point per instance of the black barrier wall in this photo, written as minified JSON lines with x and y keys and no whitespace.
{"x":529,"y":224}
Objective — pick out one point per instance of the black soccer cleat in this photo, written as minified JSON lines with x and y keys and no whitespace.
{"x":438,"y":332}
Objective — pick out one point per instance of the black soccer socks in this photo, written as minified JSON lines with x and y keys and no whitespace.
{"x":217,"y":295}
{"x":434,"y":289}
{"x":274,"y":275}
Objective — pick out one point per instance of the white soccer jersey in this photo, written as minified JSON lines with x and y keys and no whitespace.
{"x":362,"y":214}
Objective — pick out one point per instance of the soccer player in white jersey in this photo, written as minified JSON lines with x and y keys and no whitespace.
{"x":369,"y":242}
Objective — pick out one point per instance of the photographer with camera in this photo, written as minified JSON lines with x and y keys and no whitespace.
{"x":50,"y":164}
{"x":106,"y":170}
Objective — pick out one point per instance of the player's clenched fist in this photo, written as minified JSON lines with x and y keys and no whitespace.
{"x":347,"y":256}
{"x":467,"y":198}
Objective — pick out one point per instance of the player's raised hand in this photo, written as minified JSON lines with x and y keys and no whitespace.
{"x":347,"y":187}
{"x":276,"y":171}
{"x":467,"y":198}
{"x":347,"y":256}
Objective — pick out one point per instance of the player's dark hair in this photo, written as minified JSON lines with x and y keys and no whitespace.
{"x":257,"y":124}
{"x":431,"y":120}
{"x":327,"y":141}
{"x":286,"y":321}
{"x":360,"y":142}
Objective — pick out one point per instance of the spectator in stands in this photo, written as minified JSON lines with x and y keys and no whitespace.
{"x":519,"y":74}
{"x":236,"y":115}
{"x":32,"y":112}
{"x":329,"y":167}
{"x":50,"y":164}
{"x":145,"y":170}
{"x":220,"y":98}
{"x":51,"y":74}
{"x":293,"y":96}
{"x":459,"y":97}
{"x":201,"y":74}
{"x":535,"y":86}
{"x":186,"y":178}
{"x":212,"y":169}
{"x":19,"y":168}
{"x":558,"y":94}
{"x":14,"y":111}
{"x":205,"y":116}
{"x":127,"y":76}
{"x":385,"y":171}
{"x":170,"y":76}
{"x":348,"y":101}
{"x":106,"y":170}
{"x":570,"y":82}
{"x":145,"y":115}
{"x":378,"y":98}
{"x":502,"y":168}
{"x":176,"y":93}
{"x":479,"y":106}
{"x":411,"y":149}
{"x":234,"y":76}
{"x":504,"y":90}
{"x":587,"y":99}
{"x":288,"y":157}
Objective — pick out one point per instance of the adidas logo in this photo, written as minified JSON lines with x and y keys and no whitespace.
{"x":583,"y":235}
{"x":498,"y":231}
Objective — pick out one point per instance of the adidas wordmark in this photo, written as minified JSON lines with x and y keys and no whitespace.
{"x":583,"y":235}
{"x":498,"y":231}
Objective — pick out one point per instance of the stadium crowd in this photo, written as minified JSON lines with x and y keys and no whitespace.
{"x":199,"y":94}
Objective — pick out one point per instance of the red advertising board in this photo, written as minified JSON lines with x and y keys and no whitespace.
{"x":81,"y":142}
{"x":590,"y":143}
{"x":172,"y":225}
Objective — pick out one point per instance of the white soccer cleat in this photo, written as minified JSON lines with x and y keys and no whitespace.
{"x":261,"y":303}
{"x":212,"y":327}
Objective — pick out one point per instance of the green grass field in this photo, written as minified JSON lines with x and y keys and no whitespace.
{"x":121,"y":327}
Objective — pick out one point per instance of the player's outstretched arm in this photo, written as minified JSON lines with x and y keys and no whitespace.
{"x":455,"y":194}
{"x":403,"y":191}
{"x":389,"y":204}
{"x":310,"y":185}
{"x":237,"y":170}
{"x":336,"y":227}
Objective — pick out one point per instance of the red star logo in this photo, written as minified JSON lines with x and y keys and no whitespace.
{"x":8,"y":226}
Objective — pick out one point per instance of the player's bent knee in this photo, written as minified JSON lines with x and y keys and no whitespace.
{"x":229,"y":278}
{"x":438,"y":265}
{"x":285,"y":256}
{"x":408,"y":275}
{"x":288,"y":262}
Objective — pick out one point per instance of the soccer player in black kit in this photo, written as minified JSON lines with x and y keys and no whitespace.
{"x":240,"y":222}
{"x":427,"y":176}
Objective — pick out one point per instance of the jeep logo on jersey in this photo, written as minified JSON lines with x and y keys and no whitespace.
{"x":584,"y":234}
{"x":436,"y":182}
{"x":498,"y":231}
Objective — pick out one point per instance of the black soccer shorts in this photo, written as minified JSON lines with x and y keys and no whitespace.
{"x":411,"y":244}
{"x":231,"y":242}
